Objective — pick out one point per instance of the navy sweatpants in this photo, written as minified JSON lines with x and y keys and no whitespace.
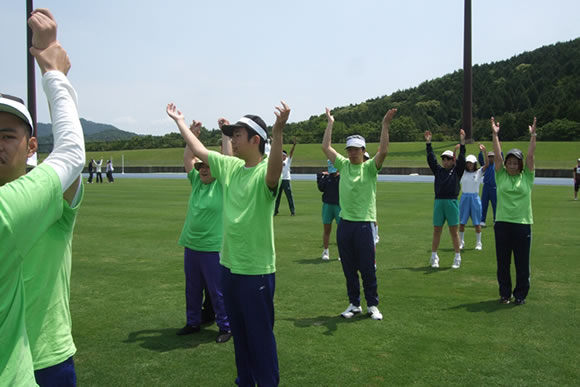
{"x":59,"y":375}
{"x":516,"y":238}
{"x":249,"y":303}
{"x":356,"y":246}
{"x":285,"y":187}
{"x":488,"y":194}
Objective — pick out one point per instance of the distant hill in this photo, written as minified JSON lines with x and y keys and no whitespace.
{"x":93,"y":131}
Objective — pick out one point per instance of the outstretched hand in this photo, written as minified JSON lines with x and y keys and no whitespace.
{"x":532,"y":128}
{"x":43,"y":27}
{"x":428,"y":136}
{"x":172,"y":112}
{"x":389,"y":116}
{"x":282,"y":114}
{"x":222,"y":121}
{"x":462,"y":134}
{"x":494,"y":126}
{"x":482,"y":149}
{"x":329,"y":116}
{"x":195,"y":128}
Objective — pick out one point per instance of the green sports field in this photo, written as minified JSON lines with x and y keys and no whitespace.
{"x":441,"y":327}
{"x":556,"y":155}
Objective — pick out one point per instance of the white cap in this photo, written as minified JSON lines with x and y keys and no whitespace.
{"x":15,"y":106}
{"x":448,"y":153}
{"x":367,"y":156}
{"x":355,"y":141}
{"x":471,"y":159}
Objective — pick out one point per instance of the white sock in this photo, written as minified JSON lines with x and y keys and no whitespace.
{"x":478,"y":237}
{"x":458,"y":255}
{"x":461,"y":236}
{"x":434,"y":253}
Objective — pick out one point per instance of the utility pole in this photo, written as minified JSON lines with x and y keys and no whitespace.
{"x":30,"y":77}
{"x":467,"y":78}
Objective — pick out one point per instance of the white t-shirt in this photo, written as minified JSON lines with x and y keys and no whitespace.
{"x":286,"y":168}
{"x":470,"y":181}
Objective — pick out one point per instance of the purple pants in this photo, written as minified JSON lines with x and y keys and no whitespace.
{"x":203,"y":270}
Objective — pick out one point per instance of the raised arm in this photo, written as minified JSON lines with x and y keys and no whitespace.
{"x":226,"y":140}
{"x":431,"y":160}
{"x":460,"y":162}
{"x":192,"y":142}
{"x":498,"y":158}
{"x":384,"y":142}
{"x":532,"y":146}
{"x":275,"y":161}
{"x":484,"y":151}
{"x":327,"y":139}
{"x":293,"y":147}
{"x":188,"y":155}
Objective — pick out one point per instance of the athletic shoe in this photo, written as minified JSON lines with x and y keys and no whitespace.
{"x":520,"y":301}
{"x":461,"y":245}
{"x":482,"y":224}
{"x":187,"y":330}
{"x":377,"y":239}
{"x":339,"y":258}
{"x":223,"y":336}
{"x":373,"y":311}
{"x":478,"y":246}
{"x":351,"y":311}
{"x":456,"y":263}
{"x":325,"y":256}
{"x":504,"y":300}
{"x":434,"y":261}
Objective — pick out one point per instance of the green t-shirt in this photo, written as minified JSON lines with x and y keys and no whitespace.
{"x":29,"y":205}
{"x":46,"y":272}
{"x":248,"y":243}
{"x":203,"y":229}
{"x":514,"y":196}
{"x":357,"y":189}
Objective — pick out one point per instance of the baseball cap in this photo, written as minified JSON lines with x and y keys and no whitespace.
{"x":355,"y":141}
{"x":516,"y":153}
{"x":248,"y":121}
{"x":15,"y":106}
{"x":447,"y":153}
{"x":471,"y":159}
{"x":490,"y":153}
{"x":197,"y":163}
{"x":579,"y":160}
{"x":331,"y":168}
{"x":367,"y":156}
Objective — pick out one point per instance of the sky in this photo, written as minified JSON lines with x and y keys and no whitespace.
{"x":229,"y":58}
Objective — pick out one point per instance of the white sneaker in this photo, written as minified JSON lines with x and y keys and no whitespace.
{"x":374,"y":312}
{"x":325,"y":256}
{"x":434,"y":261}
{"x":351,"y":311}
{"x":478,"y":246}
{"x":461,"y":245}
{"x":482,"y":224}
{"x":456,"y":262}
{"x":339,"y":258}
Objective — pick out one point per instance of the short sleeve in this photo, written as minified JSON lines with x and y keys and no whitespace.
{"x":340,"y":162}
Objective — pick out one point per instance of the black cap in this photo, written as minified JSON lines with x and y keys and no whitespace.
{"x":516,"y":153}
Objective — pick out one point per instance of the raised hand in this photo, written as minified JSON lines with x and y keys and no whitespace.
{"x":482,"y":149}
{"x":462,"y":134}
{"x":43,"y":27}
{"x":294,"y":140}
{"x":428,"y":136}
{"x":532,"y":128}
{"x":329,"y":116}
{"x":222,"y":121}
{"x":282,"y":114}
{"x":195,"y":128}
{"x":494,"y":126}
{"x":172,"y":112}
{"x":389,"y":116}
{"x":52,"y":58}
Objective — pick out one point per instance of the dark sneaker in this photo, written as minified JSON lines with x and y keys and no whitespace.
{"x":187,"y":330}
{"x":223,"y":336}
{"x":520,"y":301}
{"x":504,"y":300}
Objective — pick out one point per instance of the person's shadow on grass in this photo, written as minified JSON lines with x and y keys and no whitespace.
{"x":425,"y":269}
{"x":314,"y":261}
{"x":330,"y":322}
{"x":488,"y":306}
{"x":164,"y":340}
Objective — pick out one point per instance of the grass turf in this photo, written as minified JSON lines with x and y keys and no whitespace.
{"x":557,"y":155}
{"x":440,"y":327}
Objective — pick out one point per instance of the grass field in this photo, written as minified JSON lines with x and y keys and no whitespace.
{"x":441,"y":327}
{"x":558,"y":155}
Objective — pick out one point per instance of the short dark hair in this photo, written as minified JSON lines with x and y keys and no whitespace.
{"x":262,"y":145}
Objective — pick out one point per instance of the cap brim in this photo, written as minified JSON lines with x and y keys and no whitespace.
{"x":15,"y":112}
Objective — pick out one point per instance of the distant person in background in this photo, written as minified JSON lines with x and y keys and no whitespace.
{"x":576,"y":179}
{"x":470,"y":203}
{"x":513,"y":223}
{"x":286,"y":177}
{"x":328,"y":183}
{"x":109,"y":170}
{"x":489,"y":193}
{"x":446,"y":208}
{"x":91,"y":167}
{"x":98,"y":167}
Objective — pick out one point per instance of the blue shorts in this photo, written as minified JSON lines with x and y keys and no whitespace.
{"x":470,"y":206}
{"x":329,"y":212}
{"x":445,"y":210}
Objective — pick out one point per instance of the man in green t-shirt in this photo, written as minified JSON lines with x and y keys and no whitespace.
{"x":357,"y":195}
{"x":30,"y":205}
{"x":250,"y":182}
{"x":513,"y":221}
